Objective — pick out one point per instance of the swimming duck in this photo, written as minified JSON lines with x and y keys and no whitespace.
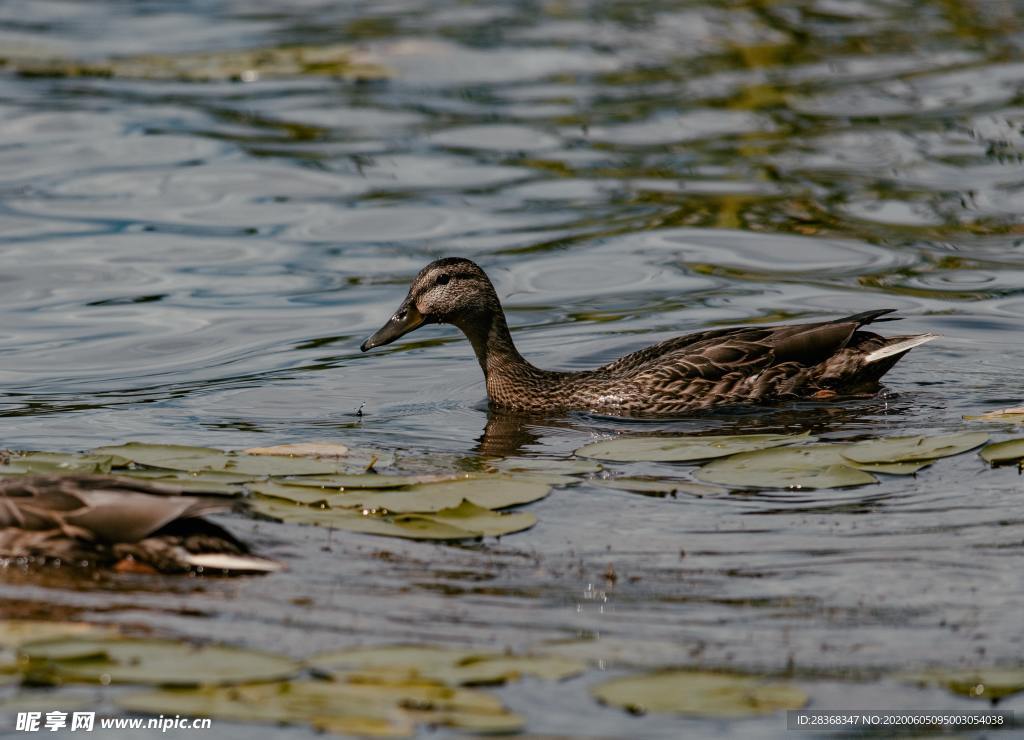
{"x":708,"y":369}
{"x":133,"y":525}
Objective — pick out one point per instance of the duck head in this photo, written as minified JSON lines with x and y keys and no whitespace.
{"x":447,"y":291}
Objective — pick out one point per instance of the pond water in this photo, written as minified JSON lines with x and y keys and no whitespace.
{"x":198,"y":262}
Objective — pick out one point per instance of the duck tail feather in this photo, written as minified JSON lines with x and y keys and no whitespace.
{"x":899,"y":347}
{"x":869,"y":317}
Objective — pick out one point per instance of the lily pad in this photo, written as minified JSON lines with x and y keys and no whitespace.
{"x":683,"y":449}
{"x":908,"y":449}
{"x":384,"y":709}
{"x":700,"y":693}
{"x":150,"y":661}
{"x":984,"y":683}
{"x":61,"y":462}
{"x":465,"y":521}
{"x":1009,"y":416}
{"x":809,"y":466}
{"x":343,"y":482}
{"x":659,"y":488}
{"x":196,"y":459}
{"x":301,"y":449}
{"x":451,"y":666}
{"x":1004,"y":453}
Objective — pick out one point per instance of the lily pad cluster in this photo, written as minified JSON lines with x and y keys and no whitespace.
{"x":324,"y":484}
{"x":382,"y":691}
{"x":765,"y":461}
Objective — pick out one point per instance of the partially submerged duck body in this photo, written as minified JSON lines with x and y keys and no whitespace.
{"x":118,"y":522}
{"x":705,"y":370}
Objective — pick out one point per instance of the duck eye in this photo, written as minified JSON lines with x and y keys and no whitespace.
{"x":443,"y":279}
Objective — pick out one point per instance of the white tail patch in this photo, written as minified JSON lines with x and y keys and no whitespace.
{"x":898,"y":347}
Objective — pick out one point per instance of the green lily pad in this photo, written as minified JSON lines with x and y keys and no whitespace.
{"x":384,"y":709}
{"x":809,"y":466}
{"x":151,"y":661}
{"x":908,"y":449}
{"x":344,"y":482}
{"x":659,"y":488}
{"x":983,"y":683}
{"x":900,"y":468}
{"x":1004,"y":453}
{"x":245,"y":65}
{"x":451,"y":666}
{"x":700,"y":693}
{"x":684,"y":449}
{"x":465,"y":521}
{"x":196,"y":459}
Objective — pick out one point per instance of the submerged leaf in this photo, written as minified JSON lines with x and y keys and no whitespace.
{"x":981,"y":683}
{"x":244,"y":64}
{"x":700,"y":693}
{"x":1004,"y":453}
{"x":151,"y":661}
{"x":907,"y":449}
{"x":683,"y":449}
{"x":663,"y":487}
{"x":809,"y":466}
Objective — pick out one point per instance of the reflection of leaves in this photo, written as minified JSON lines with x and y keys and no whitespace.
{"x":664,"y":487}
{"x":150,"y":661}
{"x":465,"y":521}
{"x":453,"y":666}
{"x":981,"y":683}
{"x":683,"y":449}
{"x":1004,"y":453}
{"x":244,"y":65}
{"x":700,"y":693}
{"x":906,"y":449}
{"x":384,"y":709}
{"x":810,"y":466}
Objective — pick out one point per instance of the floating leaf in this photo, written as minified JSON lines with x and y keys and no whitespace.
{"x":491,"y":492}
{"x":907,"y":449}
{"x":245,"y":65}
{"x":809,"y":466}
{"x":151,"y":661}
{"x":683,"y":449}
{"x":700,"y":693}
{"x":17,"y":632}
{"x":982,"y":683}
{"x":370,"y":480}
{"x":1009,"y":416}
{"x":452,"y":666}
{"x":465,"y":521}
{"x":301,"y":449}
{"x":387,"y":709}
{"x":61,"y":462}
{"x":900,"y":468}
{"x":663,"y":487}
{"x":1004,"y":453}
{"x":195,"y":459}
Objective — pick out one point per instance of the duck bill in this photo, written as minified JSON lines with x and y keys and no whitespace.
{"x":406,"y":318}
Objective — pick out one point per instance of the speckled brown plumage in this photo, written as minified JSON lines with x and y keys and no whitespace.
{"x":107,"y":520}
{"x":743,"y":365}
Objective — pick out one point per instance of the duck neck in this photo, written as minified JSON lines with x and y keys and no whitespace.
{"x":504,"y":368}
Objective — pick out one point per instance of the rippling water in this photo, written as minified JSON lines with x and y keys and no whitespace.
{"x":198,"y":263}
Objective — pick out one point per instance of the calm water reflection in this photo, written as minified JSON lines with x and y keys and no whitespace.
{"x":198,"y":263}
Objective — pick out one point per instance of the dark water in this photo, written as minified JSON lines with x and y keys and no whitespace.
{"x":198,"y":263}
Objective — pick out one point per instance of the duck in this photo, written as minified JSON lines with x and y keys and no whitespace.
{"x":118,"y":522}
{"x":706,"y":370}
